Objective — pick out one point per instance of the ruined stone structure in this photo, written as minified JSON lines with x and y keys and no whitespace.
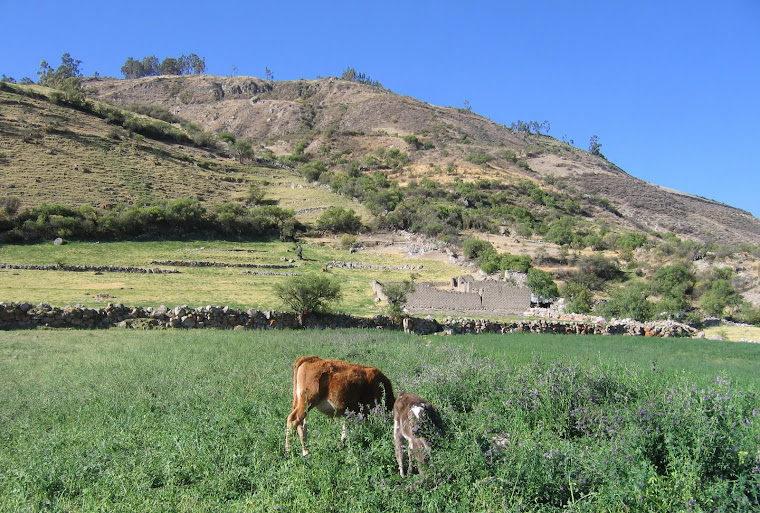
{"x":467,"y":296}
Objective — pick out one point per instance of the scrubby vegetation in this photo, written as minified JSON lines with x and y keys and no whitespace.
{"x":180,"y":217}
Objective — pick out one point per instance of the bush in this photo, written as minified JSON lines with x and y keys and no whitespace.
{"x":718,"y":296}
{"x":338,"y":219}
{"x":580,"y":299}
{"x":309,"y":293}
{"x":475,"y":248}
{"x":629,"y":302}
{"x":396,"y":294}
{"x":542,"y":284}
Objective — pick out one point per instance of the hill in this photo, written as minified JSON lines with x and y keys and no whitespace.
{"x":118,"y":154}
{"x":332,"y":116}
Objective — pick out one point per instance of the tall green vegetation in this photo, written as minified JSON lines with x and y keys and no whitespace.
{"x":309,"y":293}
{"x":180,"y":217}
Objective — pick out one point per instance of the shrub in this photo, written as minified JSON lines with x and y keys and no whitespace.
{"x":480,"y":158}
{"x":475,"y":248}
{"x":629,"y":302}
{"x":542,"y":284}
{"x":308,"y":293}
{"x":338,"y":219}
{"x":396,"y":294}
{"x":718,"y":296}
{"x":413,"y":141}
{"x":631,"y":240}
{"x":347,"y":241}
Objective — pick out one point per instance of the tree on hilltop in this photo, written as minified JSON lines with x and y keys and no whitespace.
{"x":151,"y":66}
{"x":69,"y":69}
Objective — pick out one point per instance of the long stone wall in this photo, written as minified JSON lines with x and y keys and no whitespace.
{"x":27,"y":316}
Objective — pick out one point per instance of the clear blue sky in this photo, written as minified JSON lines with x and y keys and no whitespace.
{"x":671,"y":88}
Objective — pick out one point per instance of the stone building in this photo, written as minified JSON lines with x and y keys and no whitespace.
{"x":465,"y":295}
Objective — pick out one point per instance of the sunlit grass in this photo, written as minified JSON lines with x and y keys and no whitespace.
{"x":194,"y":421}
{"x":195,"y":286}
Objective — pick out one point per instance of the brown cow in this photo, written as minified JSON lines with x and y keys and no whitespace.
{"x":333,"y":387}
{"x":413,"y":417}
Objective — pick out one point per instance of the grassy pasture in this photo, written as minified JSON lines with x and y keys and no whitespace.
{"x":194,"y":421}
{"x":194,"y":286}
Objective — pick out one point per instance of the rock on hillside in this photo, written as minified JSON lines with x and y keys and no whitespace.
{"x":346,"y":115}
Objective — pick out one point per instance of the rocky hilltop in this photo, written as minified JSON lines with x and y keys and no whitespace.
{"x":359,"y":118}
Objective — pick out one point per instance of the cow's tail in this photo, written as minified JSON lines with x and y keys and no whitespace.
{"x":390,"y":399}
{"x":300,"y":361}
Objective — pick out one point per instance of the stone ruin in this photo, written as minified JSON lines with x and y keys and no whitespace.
{"x":465,"y":295}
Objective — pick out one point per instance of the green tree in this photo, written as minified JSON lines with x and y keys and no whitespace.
{"x":719,"y":296}
{"x":396,"y":295}
{"x":132,"y":68}
{"x":542,"y":284}
{"x":255,"y":194}
{"x":308,"y":293}
{"x":338,"y":219}
{"x":594,"y":146}
{"x":68,"y":69}
{"x":629,"y":302}
{"x":673,"y":282}
{"x":475,"y":248}
{"x":243,"y":150}
{"x":579,"y":296}
{"x":170,"y":66}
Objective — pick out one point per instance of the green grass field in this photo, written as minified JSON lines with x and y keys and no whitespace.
{"x":195,"y":286}
{"x":194,"y":421}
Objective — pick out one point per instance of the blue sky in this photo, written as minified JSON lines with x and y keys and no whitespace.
{"x":671,"y":88}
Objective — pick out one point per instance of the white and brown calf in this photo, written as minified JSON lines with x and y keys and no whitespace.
{"x":413,"y":417}
{"x":333,"y":387}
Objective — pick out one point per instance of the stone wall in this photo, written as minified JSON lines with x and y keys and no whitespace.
{"x":27,"y":316}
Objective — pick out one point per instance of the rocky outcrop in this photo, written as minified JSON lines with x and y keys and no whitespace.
{"x":27,"y":316}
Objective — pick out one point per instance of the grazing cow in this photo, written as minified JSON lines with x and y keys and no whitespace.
{"x":333,"y":387}
{"x":413,"y":417}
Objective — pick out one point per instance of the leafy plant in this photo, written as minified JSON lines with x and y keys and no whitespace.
{"x":338,"y":219}
{"x":309,"y":293}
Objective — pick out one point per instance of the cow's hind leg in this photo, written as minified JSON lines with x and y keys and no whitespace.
{"x":297,"y":419}
{"x":398,"y":444}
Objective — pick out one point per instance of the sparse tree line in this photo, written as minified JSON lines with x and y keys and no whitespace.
{"x":151,"y":66}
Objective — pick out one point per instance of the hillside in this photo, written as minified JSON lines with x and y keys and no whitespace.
{"x":333,"y":116}
{"x":55,"y":154}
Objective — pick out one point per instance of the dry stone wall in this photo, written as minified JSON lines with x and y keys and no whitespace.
{"x":27,"y":316}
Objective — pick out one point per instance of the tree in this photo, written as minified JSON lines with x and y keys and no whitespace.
{"x":594,"y":146}
{"x":629,"y":302}
{"x":541,"y":284}
{"x":579,"y":296}
{"x":338,"y":219}
{"x":151,"y":66}
{"x":308,"y":293}
{"x":68,"y":69}
{"x":396,"y":295}
{"x":255,"y":194}
{"x":132,"y":68}
{"x":170,"y":66}
{"x":719,"y":296}
{"x":268,"y":74}
{"x":243,"y":150}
